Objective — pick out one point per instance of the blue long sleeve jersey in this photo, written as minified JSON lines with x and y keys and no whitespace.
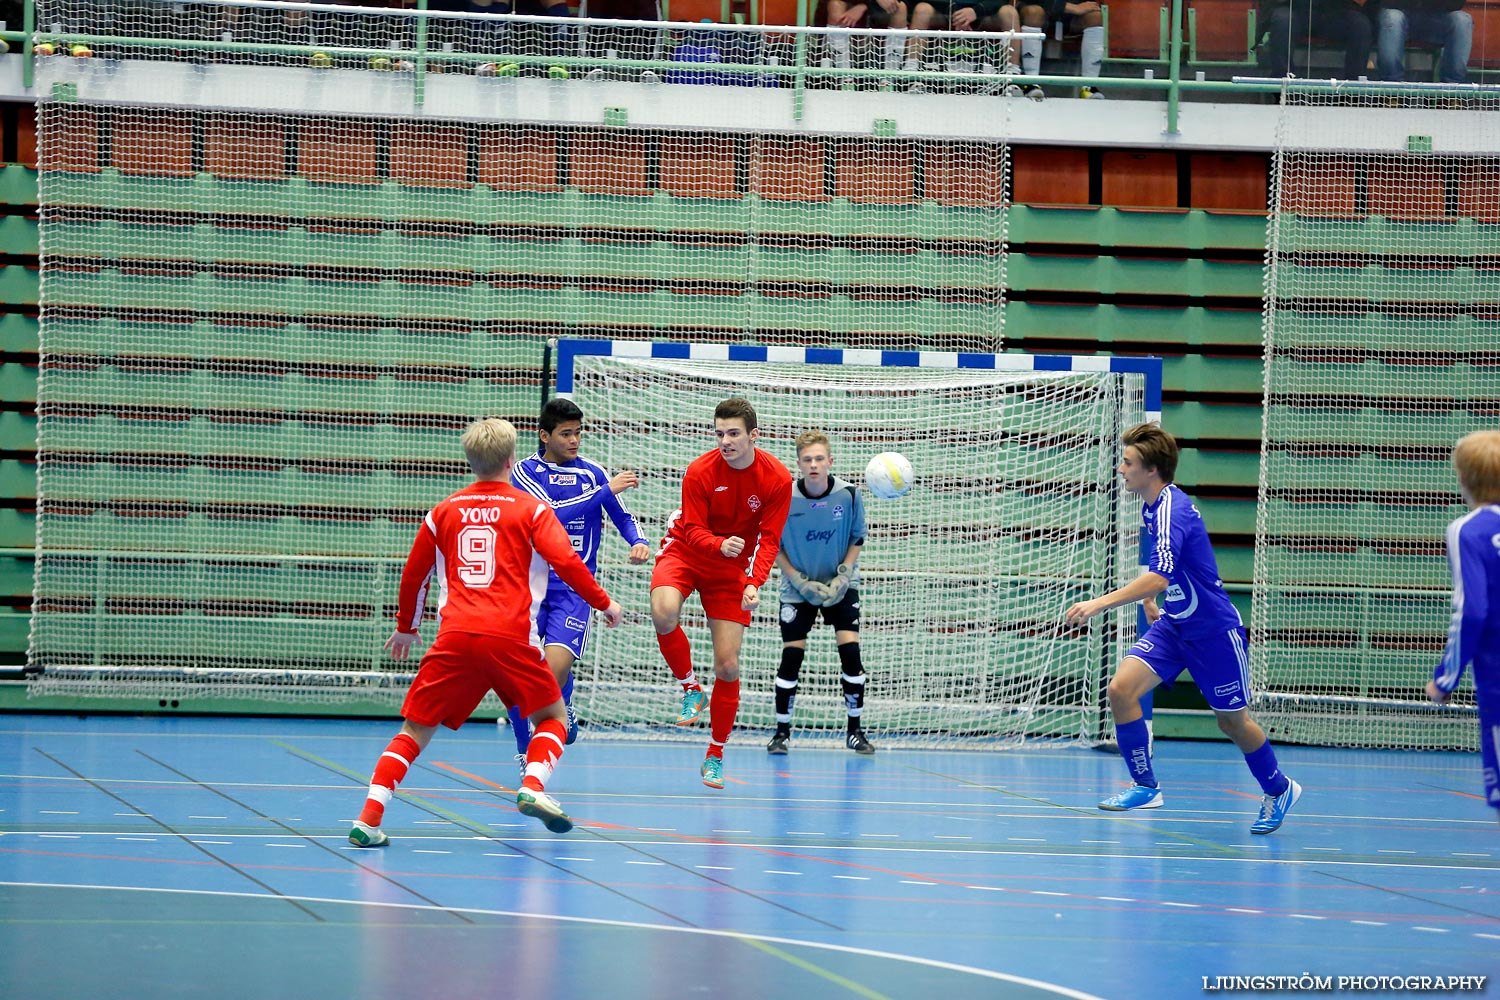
{"x":819,"y":530}
{"x":579,"y":492}
{"x":1474,"y":632}
{"x":1180,"y":551}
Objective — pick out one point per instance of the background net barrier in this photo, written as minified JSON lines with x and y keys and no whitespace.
{"x":281,"y":269}
{"x":1016,"y":515}
{"x":1382,"y":349}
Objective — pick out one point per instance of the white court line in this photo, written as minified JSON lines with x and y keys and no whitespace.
{"x":217,"y":843}
{"x":854,"y":878}
{"x":285,"y":845}
{"x":432,"y":822}
{"x":518,"y":856}
{"x":59,"y":836}
{"x":1005,"y":977}
{"x":908,"y":881}
{"x":652,"y":863}
{"x":418,"y":850}
{"x":1322,"y":848}
{"x":880,"y":835}
{"x":562,"y":858}
{"x":138,"y":815}
{"x":951,"y":836}
{"x":226,"y":817}
{"x":1028,"y":840}
{"x":664,"y":829}
{"x":1116,"y":899}
{"x":806,"y":833}
{"x":729,"y":831}
{"x":1384,"y":850}
{"x":1040,"y":892}
{"x":1492,"y":937}
{"x":1466,"y":854}
{"x":714,"y":868}
{"x":1240,"y":909}
{"x":1189,"y":906}
{"x":1369,"y":923}
{"x":1114,"y":842}
{"x":1432,"y":930}
{"x":60,"y":812}
{"x":774,"y":871}
{"x":142,"y":840}
{"x":1305,"y":916}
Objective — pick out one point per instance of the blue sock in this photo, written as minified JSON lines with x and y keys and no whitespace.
{"x":1262,"y":764}
{"x":1133,"y":738}
{"x":522,"y":730}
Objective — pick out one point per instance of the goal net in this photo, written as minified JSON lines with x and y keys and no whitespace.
{"x":289,"y":250}
{"x":1382,"y":337}
{"x":1016,"y":514}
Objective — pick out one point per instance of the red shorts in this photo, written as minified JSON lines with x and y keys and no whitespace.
{"x":721,"y":595}
{"x":460,"y":668}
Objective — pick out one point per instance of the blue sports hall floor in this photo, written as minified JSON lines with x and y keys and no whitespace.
{"x":205,"y":857}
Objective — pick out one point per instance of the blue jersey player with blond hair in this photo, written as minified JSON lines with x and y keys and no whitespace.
{"x":820,"y":546}
{"x":1474,"y":632}
{"x":580,"y":493}
{"x":1196,"y":629}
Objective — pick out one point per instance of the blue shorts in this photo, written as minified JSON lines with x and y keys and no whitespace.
{"x":562,"y":619}
{"x":1219,"y":662}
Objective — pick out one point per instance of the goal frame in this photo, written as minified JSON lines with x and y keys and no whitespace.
{"x":1148,"y":370}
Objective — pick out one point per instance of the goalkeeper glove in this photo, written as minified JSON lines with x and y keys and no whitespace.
{"x":804,"y":585}
{"x":839,"y":584}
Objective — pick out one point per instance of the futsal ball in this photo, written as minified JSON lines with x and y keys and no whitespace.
{"x":82,"y":51}
{"x":321,"y":60}
{"x":889,"y":475}
{"x":380,"y":63}
{"x":45,"y":49}
{"x":558,"y":72}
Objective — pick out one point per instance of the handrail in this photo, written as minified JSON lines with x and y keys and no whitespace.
{"x":797,"y":76}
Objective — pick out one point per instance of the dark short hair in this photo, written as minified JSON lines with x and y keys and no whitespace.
{"x":558,"y":410}
{"x":1157,"y":448}
{"x":736,"y":407}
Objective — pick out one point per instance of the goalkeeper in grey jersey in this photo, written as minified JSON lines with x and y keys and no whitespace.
{"x":819,"y":548}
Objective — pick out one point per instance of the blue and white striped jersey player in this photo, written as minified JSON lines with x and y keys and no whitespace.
{"x":581,"y":492}
{"x":1474,"y":632}
{"x":820,"y":546}
{"x":1196,"y":629}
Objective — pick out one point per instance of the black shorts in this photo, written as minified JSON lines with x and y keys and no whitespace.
{"x":798,"y":618}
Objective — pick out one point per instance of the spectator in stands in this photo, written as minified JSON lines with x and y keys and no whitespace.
{"x":1438,"y":22}
{"x":1346,"y":21}
{"x":953,"y":15}
{"x":488,"y":35}
{"x":1085,"y":19}
{"x":861,"y":14}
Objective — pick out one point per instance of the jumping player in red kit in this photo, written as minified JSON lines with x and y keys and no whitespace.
{"x":489,"y":546}
{"x":722,"y":543}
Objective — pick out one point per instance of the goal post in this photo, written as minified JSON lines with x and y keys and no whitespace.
{"x":1017,"y":512}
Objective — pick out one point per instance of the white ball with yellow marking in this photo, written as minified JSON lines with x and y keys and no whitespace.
{"x":889,"y":475}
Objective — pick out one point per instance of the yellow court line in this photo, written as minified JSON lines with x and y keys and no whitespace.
{"x":807,"y":966}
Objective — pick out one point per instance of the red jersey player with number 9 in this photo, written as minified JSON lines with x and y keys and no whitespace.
{"x":722,"y":543}
{"x":489,"y":546}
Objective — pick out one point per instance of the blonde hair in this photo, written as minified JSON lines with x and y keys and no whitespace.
{"x":809,"y":438}
{"x":1476,"y":459}
{"x":489,"y":443}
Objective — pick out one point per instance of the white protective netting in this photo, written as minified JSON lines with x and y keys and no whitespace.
{"x":288,"y":251}
{"x":1382,"y":349}
{"x":1017,"y":513}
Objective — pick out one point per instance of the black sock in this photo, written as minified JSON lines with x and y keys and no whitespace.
{"x":786,"y":687}
{"x":853,"y":682}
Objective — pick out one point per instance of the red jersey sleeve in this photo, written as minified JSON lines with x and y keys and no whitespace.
{"x":550,"y":540}
{"x":694,"y":520}
{"x":416,"y":578}
{"x":777,"y":488}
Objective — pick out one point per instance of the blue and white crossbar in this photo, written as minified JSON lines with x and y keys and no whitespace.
{"x":1149,"y":368}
